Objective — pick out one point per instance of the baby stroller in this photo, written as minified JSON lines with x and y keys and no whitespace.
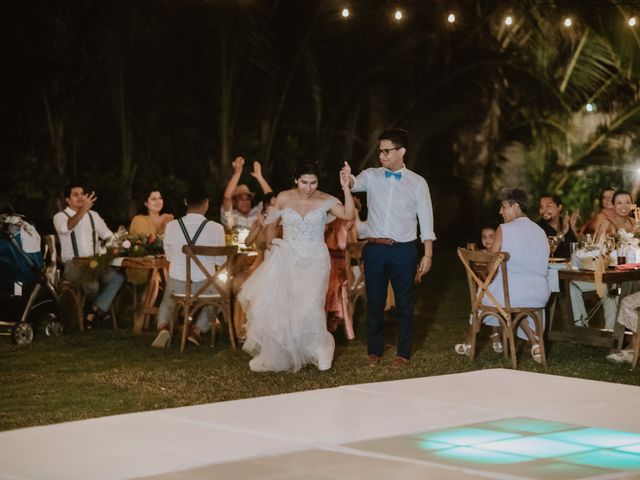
{"x":27,"y":295}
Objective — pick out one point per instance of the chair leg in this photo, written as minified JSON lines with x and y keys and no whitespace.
{"x":174,"y":315}
{"x":229,"y":320}
{"x":79,"y":300}
{"x":540,"y":337}
{"x":512,"y":348}
{"x":505,"y":343}
{"x":185,"y":328}
{"x":636,"y":349}
{"x":114,"y":320}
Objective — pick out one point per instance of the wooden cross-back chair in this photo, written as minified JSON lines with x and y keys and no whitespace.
{"x":355,"y":275}
{"x":215,"y":291}
{"x":53,"y":268}
{"x":482,"y":269}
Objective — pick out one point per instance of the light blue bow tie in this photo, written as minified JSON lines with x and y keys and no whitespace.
{"x":396,"y":175}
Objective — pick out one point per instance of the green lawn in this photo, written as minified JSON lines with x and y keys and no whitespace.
{"x":84,"y":375}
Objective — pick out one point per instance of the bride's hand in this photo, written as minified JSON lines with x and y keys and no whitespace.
{"x":345,"y":176}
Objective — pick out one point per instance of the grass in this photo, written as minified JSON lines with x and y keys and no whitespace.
{"x":106,"y":372}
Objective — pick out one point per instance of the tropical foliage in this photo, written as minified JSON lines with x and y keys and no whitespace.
{"x":127,"y":94}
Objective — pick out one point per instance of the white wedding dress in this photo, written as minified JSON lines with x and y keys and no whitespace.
{"x":284,"y":298}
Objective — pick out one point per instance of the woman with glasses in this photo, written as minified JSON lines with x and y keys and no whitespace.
{"x":528,"y":249}
{"x":284,"y":298}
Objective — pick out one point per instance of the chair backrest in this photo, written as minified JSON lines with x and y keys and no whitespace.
{"x":221,"y":280}
{"x":355,"y":266}
{"x":482,"y":269}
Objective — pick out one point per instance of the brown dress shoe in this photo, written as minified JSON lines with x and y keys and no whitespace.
{"x":373,"y":360}
{"x":400,"y":362}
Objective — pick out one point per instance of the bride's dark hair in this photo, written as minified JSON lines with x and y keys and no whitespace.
{"x":307,"y":168}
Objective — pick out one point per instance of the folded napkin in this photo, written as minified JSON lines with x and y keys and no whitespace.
{"x":628,"y":266}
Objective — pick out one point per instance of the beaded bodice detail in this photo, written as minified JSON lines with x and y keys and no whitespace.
{"x":308,"y":228}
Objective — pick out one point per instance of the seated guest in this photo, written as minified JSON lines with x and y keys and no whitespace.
{"x":555,"y":225}
{"x":154,"y":222}
{"x":528,"y":249}
{"x":621,"y":208}
{"x":606,"y":210}
{"x":236,"y":210}
{"x":80,"y":230}
{"x":622,"y":205}
{"x":257,"y":237}
{"x":337,"y":236}
{"x":195,"y":229}
{"x":627,"y":317}
{"x":487,"y":234}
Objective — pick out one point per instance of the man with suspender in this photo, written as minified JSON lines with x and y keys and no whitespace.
{"x":194,"y":229}
{"x":80,"y":231}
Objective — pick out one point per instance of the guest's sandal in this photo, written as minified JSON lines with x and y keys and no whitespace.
{"x":496,"y":343}
{"x":535,"y":353}
{"x":462,"y":349}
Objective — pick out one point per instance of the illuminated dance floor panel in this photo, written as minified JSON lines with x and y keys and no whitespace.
{"x":520,"y":446}
{"x":499,"y":424}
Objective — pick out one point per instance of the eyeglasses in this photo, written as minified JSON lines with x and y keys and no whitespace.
{"x":385,"y":151}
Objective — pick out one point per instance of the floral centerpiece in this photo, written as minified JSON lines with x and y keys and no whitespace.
{"x":122,"y":244}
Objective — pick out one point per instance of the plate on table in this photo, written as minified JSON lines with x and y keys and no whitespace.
{"x":558,"y":260}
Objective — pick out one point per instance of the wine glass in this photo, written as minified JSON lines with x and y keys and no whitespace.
{"x":553,"y":244}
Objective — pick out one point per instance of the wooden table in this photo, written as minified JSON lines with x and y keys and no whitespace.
{"x":568,"y":331}
{"x":156,"y":267}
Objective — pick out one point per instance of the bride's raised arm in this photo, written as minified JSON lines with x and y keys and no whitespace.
{"x":348,"y":210}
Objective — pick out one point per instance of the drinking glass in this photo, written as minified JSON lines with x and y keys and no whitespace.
{"x":553,"y":244}
{"x":573,"y":246}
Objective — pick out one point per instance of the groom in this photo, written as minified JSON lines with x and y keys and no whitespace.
{"x":397,"y":198}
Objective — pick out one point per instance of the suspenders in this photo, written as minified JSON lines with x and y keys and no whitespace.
{"x":74,"y":242}
{"x":191,"y":241}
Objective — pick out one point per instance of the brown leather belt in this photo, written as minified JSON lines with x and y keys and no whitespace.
{"x":381,"y":241}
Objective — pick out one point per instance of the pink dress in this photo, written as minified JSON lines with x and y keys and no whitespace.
{"x":336,"y":303}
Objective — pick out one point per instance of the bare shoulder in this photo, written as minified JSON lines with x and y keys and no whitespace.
{"x":284,"y":198}
{"x":322,"y":196}
{"x":325,"y":198}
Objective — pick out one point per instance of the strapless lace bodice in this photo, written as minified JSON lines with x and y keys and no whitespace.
{"x":309,"y":228}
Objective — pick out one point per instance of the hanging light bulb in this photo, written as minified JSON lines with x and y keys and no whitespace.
{"x":451,"y":18}
{"x":398,"y":15}
{"x":508,"y":20}
{"x":567,"y":22}
{"x":345,"y":13}
{"x":633,"y":21}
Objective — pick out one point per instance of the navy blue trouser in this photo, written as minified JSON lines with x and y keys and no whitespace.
{"x":382,"y":263}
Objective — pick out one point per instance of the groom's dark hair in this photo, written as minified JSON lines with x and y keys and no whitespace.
{"x":398,"y":136}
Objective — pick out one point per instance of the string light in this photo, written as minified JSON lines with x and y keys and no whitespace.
{"x":345,"y":13}
{"x":633,"y":21}
{"x":508,"y":20}
{"x":590,"y":107}
{"x":398,"y":15}
{"x":451,"y":18}
{"x":567,"y":22}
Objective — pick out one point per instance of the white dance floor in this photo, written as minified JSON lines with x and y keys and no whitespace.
{"x":486,"y":424}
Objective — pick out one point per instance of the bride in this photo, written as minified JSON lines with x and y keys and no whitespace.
{"x":284,"y":297}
